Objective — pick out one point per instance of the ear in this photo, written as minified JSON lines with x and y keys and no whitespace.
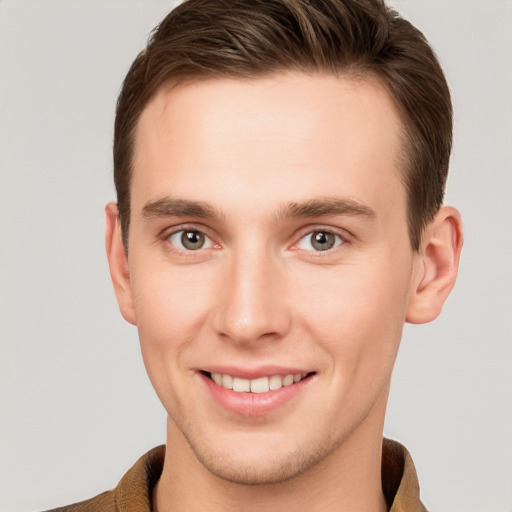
{"x":118,"y":263}
{"x":436,"y":266}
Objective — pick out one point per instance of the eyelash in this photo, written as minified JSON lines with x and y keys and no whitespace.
{"x":167,"y":237}
{"x":340,"y":240}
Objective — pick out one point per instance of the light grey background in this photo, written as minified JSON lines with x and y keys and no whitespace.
{"x":76,"y":406}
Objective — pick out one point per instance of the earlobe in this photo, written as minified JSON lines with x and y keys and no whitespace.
{"x":118,"y":263}
{"x":436,"y":266}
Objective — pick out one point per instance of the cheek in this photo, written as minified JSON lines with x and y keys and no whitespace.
{"x":170,"y":298}
{"x":171,"y":308}
{"x":356,"y":313}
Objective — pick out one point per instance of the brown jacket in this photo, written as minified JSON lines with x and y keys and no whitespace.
{"x":134,"y":491}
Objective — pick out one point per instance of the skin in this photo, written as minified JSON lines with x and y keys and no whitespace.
{"x":255,"y":155}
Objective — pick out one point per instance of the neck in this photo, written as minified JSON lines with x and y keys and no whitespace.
{"x":349,"y":478}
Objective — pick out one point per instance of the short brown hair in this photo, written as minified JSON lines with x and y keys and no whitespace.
{"x":252,"y":38}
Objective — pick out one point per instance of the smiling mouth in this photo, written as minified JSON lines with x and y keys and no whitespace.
{"x":259,"y":385}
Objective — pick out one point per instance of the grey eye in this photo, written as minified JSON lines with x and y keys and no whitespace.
{"x":320,"y":241}
{"x":190,"y":240}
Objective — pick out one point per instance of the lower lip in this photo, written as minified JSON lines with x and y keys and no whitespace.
{"x":254,"y":404}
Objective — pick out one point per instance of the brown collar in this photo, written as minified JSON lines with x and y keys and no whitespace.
{"x":399,"y":479}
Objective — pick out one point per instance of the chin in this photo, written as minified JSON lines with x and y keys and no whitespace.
{"x":260,"y":466}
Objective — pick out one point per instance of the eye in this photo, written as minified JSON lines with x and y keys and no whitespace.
{"x":319,"y":241}
{"x":190,"y":240}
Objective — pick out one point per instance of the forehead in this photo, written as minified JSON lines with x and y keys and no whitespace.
{"x":287,"y":137}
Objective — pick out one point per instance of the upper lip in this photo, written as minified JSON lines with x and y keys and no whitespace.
{"x":256,"y":372}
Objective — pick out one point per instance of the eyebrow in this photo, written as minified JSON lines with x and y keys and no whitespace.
{"x":171,"y":207}
{"x":326,"y":206}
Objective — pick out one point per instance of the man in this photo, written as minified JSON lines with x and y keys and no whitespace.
{"x":280,"y":169}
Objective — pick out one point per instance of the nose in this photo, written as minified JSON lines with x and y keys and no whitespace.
{"x":252,"y":305}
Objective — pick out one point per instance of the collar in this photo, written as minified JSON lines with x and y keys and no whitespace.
{"x":399,"y":480}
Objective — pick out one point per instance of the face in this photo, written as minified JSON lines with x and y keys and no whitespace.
{"x":269,"y":266}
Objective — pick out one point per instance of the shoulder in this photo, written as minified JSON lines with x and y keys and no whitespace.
{"x":104,"y":502}
{"x":134,"y":491}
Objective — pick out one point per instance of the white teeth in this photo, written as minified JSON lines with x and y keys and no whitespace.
{"x":275,"y":382}
{"x":241,"y":385}
{"x":227,"y":381}
{"x":288,"y":380}
{"x":259,"y":385}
